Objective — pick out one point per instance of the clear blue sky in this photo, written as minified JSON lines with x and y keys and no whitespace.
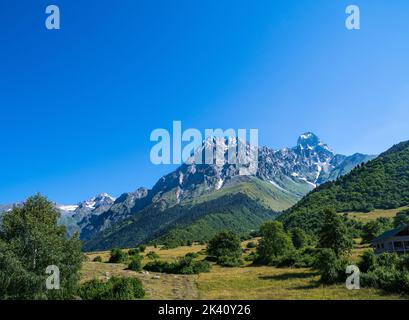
{"x":77,"y":105}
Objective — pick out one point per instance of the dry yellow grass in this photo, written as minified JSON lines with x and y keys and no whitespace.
{"x":270,"y":283}
{"x":378,"y":213}
{"x":255,"y":283}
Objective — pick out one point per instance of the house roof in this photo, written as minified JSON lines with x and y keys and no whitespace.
{"x":391,"y":233}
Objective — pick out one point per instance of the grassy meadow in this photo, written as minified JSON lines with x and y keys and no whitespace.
{"x":247,"y":282}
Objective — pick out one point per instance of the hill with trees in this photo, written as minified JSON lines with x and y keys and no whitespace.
{"x":382,"y":183}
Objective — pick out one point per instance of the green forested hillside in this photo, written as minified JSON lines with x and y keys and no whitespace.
{"x":382,"y":183}
{"x":241,"y":207}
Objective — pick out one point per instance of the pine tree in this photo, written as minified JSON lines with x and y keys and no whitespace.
{"x":334,"y":234}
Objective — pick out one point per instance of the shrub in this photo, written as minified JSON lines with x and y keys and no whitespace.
{"x":136,"y":263}
{"x":133,"y":251}
{"x":97,"y":259}
{"x":330,"y":267}
{"x":192,"y":255}
{"x":184,"y":265}
{"x":229,"y":261}
{"x":250,"y":257}
{"x":116,"y":288}
{"x":118,"y":256}
{"x":223,"y":245}
{"x":251,"y":245}
{"x":142,"y":248}
{"x":368,"y":261}
{"x":152,"y":255}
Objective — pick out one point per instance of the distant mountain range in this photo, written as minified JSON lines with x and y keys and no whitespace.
{"x":197,"y":200}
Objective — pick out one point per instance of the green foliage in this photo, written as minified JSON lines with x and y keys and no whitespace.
{"x":334,"y":235}
{"x":132,"y":252}
{"x":97,"y":259}
{"x":251,"y":245}
{"x":382,"y":183}
{"x":330,"y":266}
{"x":389,"y":272}
{"x":374,"y":228}
{"x":152,"y":255}
{"x":299,"y":238}
{"x":142,"y":248}
{"x":275,"y":242}
{"x":30,"y":241}
{"x":183,"y":265}
{"x":230,"y":261}
{"x":136,"y":263}
{"x":226,"y":249}
{"x":402,"y":217}
{"x":115,"y":288}
{"x":118,"y":256}
{"x":368,"y":261}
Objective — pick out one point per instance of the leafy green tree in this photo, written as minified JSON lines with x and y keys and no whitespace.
{"x":225,"y":246}
{"x":374,"y":228}
{"x":334,"y":234}
{"x":274,"y":242}
{"x":401,"y":218}
{"x":330,"y":266}
{"x":299,"y":237}
{"x":31,"y":241}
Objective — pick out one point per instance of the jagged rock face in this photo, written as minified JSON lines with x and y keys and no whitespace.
{"x":123,"y":207}
{"x":310,"y":163}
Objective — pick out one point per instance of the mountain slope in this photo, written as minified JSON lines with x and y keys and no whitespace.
{"x":382,"y":183}
{"x":242,"y":206}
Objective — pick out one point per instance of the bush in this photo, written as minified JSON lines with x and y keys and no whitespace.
{"x":229,"y":261}
{"x":136,"y":263}
{"x":225,"y":245}
{"x":330,"y":267}
{"x":133,"y":252}
{"x":368,"y":261}
{"x":184,"y":265}
{"x":192,"y":255}
{"x":152,"y":255}
{"x":142,"y":248}
{"x":251,"y":245}
{"x":118,"y":256}
{"x":388,"y":272}
{"x":97,"y":259}
{"x":115,"y":288}
{"x":250,"y":257}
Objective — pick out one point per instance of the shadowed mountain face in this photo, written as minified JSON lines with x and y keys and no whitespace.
{"x":286,"y":175}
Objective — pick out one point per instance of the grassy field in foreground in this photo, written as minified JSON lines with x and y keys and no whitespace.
{"x":258,"y":283}
{"x":368,"y":216}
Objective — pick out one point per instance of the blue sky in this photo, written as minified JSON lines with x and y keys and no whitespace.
{"x":77,"y":105}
